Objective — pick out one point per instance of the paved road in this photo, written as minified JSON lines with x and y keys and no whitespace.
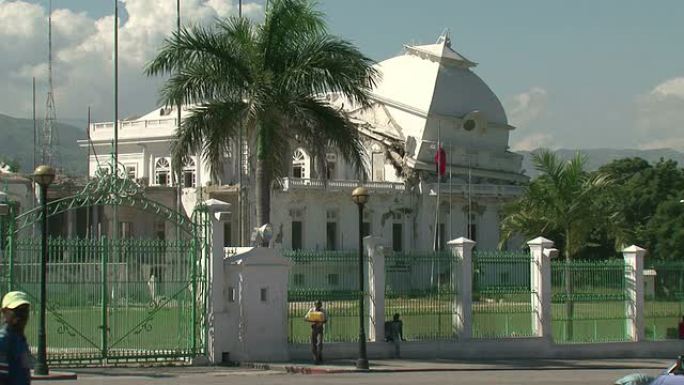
{"x":222,"y":376}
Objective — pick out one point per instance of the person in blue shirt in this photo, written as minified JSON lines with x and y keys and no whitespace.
{"x":15,"y":357}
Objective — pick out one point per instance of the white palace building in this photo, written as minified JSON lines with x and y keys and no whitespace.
{"x":428,"y":93}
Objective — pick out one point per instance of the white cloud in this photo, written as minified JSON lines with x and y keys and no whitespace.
{"x":82,"y":53}
{"x":660,"y":116}
{"x":533,"y":142}
{"x":524,"y":110}
{"x":527,"y":107}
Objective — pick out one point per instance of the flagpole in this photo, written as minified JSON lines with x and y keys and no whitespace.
{"x":451,"y":199}
{"x":468,"y":230}
{"x":240,"y":149}
{"x":435,"y":246}
{"x":116,"y":86}
{"x":180,"y":180}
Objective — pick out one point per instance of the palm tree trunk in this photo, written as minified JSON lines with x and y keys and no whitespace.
{"x":263,"y":192}
{"x":263,"y":179}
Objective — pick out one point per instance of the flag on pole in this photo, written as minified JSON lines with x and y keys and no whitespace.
{"x":440,"y":161}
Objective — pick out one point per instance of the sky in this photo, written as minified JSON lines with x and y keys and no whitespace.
{"x":570,"y":74}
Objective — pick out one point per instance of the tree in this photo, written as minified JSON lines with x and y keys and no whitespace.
{"x":269,"y":78}
{"x":564,"y":204}
{"x":666,"y":231}
{"x":647,"y":197}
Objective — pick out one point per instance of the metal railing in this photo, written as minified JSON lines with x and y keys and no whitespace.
{"x":502,"y":295}
{"x":588,"y":301}
{"x":420,"y":287}
{"x":328,"y":276}
{"x":135,"y":291}
{"x":663,"y":299}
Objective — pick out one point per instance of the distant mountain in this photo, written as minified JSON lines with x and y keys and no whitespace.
{"x":16,"y":143}
{"x":600,"y":156}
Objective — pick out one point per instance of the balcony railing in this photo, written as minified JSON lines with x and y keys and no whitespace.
{"x":317,"y":184}
{"x":290,"y":184}
{"x":171,"y":122}
{"x":477,"y":189}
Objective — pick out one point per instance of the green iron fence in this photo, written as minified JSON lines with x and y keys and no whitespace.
{"x":421,"y":288}
{"x":664,"y":299}
{"x":502,"y":295}
{"x":142,"y":291}
{"x":588,"y":301}
{"x":333,"y":278}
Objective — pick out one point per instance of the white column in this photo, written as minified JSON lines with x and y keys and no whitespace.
{"x":541,"y":251}
{"x":216,"y":278}
{"x":376,"y":287}
{"x":634,"y":286}
{"x":462,"y":276}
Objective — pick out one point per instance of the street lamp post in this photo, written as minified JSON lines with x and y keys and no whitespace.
{"x":360,"y":197}
{"x":43,"y":176}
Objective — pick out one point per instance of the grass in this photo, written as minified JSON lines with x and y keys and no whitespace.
{"x":429,"y":319}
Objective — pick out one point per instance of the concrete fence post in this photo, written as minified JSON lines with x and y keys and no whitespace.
{"x":541,"y":252}
{"x":462,"y":277}
{"x":218,"y":215}
{"x":634,"y":286}
{"x":376,"y":287}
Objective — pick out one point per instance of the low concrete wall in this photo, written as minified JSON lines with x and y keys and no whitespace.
{"x":496,"y":349}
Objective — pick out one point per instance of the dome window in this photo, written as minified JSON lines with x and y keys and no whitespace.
{"x":469,"y":125}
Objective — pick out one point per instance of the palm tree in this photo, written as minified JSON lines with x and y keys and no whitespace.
{"x":270,"y":79}
{"x":564,"y":203}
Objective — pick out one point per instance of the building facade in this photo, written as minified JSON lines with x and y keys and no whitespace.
{"x":427,"y":95}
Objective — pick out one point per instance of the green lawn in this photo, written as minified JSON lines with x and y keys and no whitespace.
{"x":429,"y":319}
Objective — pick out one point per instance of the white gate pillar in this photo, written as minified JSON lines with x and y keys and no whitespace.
{"x":376,"y":287}
{"x":541,"y":251}
{"x":462,"y":276}
{"x":634,"y":286}
{"x":216,"y":302}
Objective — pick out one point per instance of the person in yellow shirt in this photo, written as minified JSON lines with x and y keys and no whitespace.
{"x":15,"y":357}
{"x":317,"y":316}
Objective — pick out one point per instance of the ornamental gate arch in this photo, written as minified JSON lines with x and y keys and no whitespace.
{"x":113,"y":298}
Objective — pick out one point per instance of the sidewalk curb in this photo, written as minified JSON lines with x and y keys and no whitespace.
{"x":300,"y":369}
{"x":54,"y":376}
{"x":304,"y":369}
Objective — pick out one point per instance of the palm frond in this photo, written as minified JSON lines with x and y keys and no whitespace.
{"x":324,"y":64}
{"x":203,"y":64}
{"x":287,"y":22}
{"x":209,"y":130}
{"x":320,"y":124}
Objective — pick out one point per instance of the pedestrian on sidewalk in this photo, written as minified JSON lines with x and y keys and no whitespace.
{"x":15,"y":357}
{"x":317,"y":316}
{"x":394,"y":332}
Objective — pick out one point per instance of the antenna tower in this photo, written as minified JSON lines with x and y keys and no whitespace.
{"x":49,"y":152}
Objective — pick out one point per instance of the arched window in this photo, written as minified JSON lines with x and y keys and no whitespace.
{"x":299,"y":164}
{"x":189,"y":174}
{"x":331,"y":165}
{"x":162,"y":171}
